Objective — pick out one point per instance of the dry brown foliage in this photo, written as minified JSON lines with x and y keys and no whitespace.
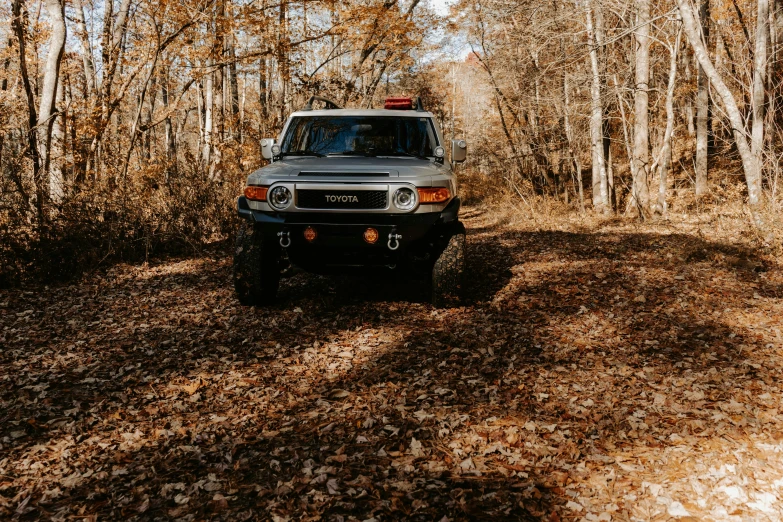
{"x":599,"y":370}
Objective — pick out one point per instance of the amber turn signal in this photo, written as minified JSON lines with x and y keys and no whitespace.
{"x":256,"y":193}
{"x":310,"y":234}
{"x":433,"y":195}
{"x":371,"y":236}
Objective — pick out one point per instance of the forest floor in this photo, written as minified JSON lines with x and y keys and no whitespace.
{"x":599,"y":370}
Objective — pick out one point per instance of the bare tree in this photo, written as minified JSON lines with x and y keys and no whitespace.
{"x":750,"y":166}
{"x":46,"y":109}
{"x":600,"y":182}
{"x":641,"y":140}
{"x":759,"y":82}
{"x":665,"y":154}
{"x":703,"y":109}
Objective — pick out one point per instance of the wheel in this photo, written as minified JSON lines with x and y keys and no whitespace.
{"x":256,"y":267}
{"x":448,"y":272}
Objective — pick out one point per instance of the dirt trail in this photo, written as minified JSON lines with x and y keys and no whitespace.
{"x":617,"y":373}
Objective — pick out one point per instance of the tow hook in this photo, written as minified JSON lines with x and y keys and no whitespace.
{"x":394,"y":240}
{"x":285,"y":238}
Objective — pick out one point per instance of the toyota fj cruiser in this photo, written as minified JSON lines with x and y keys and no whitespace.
{"x":348,"y":190}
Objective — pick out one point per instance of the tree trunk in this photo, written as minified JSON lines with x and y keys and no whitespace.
{"x":263,"y":92}
{"x":641,"y":135}
{"x":208,"y":107}
{"x":664,"y":157}
{"x":170,"y":141}
{"x":703,"y":108}
{"x":689,"y":116}
{"x":19,"y":27}
{"x":282,"y":59}
{"x":573,"y":156}
{"x":599,"y":182}
{"x":749,"y":163}
{"x":234,"y":86}
{"x":84,"y":42}
{"x":57,"y":151}
{"x":759,"y":83}
{"x":46,"y":109}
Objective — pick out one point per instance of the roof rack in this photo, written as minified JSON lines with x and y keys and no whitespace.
{"x":330,"y":104}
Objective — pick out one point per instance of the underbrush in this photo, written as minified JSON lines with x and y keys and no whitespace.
{"x":151,"y":214}
{"x":723,"y":214}
{"x":156,"y":213}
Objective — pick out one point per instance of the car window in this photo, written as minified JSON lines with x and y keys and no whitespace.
{"x":373,"y":135}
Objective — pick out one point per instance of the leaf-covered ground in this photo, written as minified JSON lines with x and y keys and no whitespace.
{"x":603,"y":372}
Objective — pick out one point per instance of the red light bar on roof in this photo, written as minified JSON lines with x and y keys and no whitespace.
{"x":404,"y":104}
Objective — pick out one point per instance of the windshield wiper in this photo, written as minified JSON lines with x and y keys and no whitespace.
{"x":403,"y":154}
{"x":303,"y":153}
{"x":353,"y":153}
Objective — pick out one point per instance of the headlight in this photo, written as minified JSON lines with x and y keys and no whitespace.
{"x":280,"y":198}
{"x":404,"y":199}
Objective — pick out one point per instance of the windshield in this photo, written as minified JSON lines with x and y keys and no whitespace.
{"x":360,"y":135}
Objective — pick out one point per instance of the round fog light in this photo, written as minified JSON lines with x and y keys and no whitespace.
{"x":404,"y":199}
{"x":440,"y":152}
{"x":310,"y":234}
{"x":371,"y":236}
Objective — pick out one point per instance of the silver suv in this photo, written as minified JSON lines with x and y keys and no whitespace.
{"x":349,"y":190}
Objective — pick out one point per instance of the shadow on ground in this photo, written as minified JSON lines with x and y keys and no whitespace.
{"x":150,"y":394}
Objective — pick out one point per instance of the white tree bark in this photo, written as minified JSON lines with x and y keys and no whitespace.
{"x":759,"y":82}
{"x":600,"y":184}
{"x":641,"y":135}
{"x":749,"y":164}
{"x":208,"y":107}
{"x":56,"y":177}
{"x":664,"y":157}
{"x":84,"y":42}
{"x":46,"y":109}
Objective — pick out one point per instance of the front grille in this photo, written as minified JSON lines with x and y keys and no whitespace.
{"x":342,"y":199}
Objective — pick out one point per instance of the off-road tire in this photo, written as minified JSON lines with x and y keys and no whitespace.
{"x":447,"y":274}
{"x":256,"y":267}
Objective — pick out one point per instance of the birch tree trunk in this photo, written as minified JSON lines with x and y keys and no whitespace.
{"x":600,"y":185}
{"x":641,"y":135}
{"x":664,"y":157}
{"x":759,"y":83}
{"x":703,"y":108}
{"x":208,"y":107}
{"x":749,"y":164}
{"x":56,"y":152}
{"x":46,"y":109}
{"x":84,"y":42}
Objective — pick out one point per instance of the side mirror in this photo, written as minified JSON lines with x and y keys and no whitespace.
{"x":267,"y":148}
{"x":459,"y":151}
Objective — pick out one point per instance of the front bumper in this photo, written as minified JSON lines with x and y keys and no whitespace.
{"x":340,"y":236}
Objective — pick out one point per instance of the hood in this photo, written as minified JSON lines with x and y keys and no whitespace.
{"x":393,"y":166}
